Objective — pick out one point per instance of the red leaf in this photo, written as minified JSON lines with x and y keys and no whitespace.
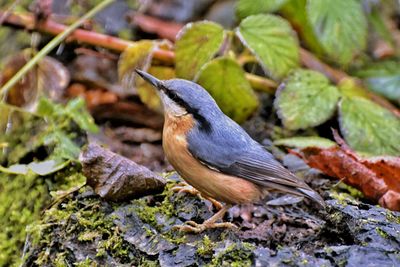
{"x":378,"y":178}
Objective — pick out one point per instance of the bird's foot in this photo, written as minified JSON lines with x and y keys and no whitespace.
{"x":185,"y":188}
{"x":214,"y":202}
{"x":193,"y":227}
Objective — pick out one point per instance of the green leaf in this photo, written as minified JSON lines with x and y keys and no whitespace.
{"x":46,"y":107}
{"x":76,"y":110}
{"x":341,"y":27}
{"x":65,"y":148}
{"x":375,"y":18}
{"x":295,"y":12}
{"x":383,"y":78}
{"x":272,"y":41}
{"x":305,"y":99}
{"x":15,"y":169}
{"x":245,"y":8}
{"x":350,"y":87}
{"x":136,"y":56}
{"x":368,"y":127}
{"x":49,"y":77}
{"x":197,"y":43}
{"x":225,"y":80}
{"x":42,"y":167}
{"x":305,"y":141}
{"x":47,"y":167}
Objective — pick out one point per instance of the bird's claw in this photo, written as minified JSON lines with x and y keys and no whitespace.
{"x":185,"y":189}
{"x":193,"y":227}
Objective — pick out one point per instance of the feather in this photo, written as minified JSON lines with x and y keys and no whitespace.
{"x":235,"y":153}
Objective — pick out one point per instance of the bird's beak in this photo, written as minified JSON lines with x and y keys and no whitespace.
{"x":149,"y":78}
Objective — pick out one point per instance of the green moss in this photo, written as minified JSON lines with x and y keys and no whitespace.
{"x":88,"y":236}
{"x":381,"y":232}
{"x":342,"y":262}
{"x":22,"y":199}
{"x":55,"y":136}
{"x":328,"y":250}
{"x":86,"y":263}
{"x":60,"y":260}
{"x":391,"y":217}
{"x":354,"y":192}
{"x":148,"y":263}
{"x":167,"y":208}
{"x":236,"y":255}
{"x":342,"y":197}
{"x":83,"y":219}
{"x":206,"y":247}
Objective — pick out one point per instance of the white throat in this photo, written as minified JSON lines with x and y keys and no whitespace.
{"x":171,"y":107}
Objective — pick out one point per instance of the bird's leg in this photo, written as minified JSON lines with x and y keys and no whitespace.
{"x":183,"y":187}
{"x":191,"y":226}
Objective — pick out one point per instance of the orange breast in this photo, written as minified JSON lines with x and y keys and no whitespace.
{"x":222,"y":187}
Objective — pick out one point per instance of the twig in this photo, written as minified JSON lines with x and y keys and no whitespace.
{"x":109,"y":42}
{"x":166,"y":56}
{"x":164,"y":29}
{"x":50,"y":46}
{"x":7,"y":12}
{"x":312,"y":62}
{"x":83,"y":36}
{"x":261,"y":84}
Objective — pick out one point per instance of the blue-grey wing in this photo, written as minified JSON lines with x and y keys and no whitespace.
{"x":234,"y":152}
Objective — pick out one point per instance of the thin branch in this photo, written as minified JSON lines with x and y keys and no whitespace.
{"x":164,"y":29}
{"x":261,"y":84}
{"x":308,"y":59}
{"x":49,"y":26}
{"x":7,"y":12}
{"x":50,"y":46}
{"x":112,"y":43}
{"x":312,"y":62}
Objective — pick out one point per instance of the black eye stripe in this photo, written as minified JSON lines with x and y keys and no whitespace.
{"x":204,"y":124}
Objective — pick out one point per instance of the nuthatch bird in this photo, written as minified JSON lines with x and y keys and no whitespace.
{"x":215,"y":155}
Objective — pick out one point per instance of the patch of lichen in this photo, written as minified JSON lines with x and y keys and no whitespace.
{"x":82,"y":220}
{"x":235,"y":255}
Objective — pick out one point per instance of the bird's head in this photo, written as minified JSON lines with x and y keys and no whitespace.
{"x":181,"y":97}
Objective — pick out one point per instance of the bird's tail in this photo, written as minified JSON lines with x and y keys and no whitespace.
{"x":311,"y":194}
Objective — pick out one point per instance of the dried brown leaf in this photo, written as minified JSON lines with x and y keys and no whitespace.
{"x":117,"y":178}
{"x":49,"y":77}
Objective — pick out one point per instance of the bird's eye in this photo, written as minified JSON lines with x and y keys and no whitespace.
{"x":174,"y":97}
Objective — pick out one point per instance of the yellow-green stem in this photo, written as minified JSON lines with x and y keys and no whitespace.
{"x":50,"y":46}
